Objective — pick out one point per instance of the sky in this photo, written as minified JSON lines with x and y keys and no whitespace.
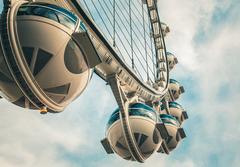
{"x":205,"y":36}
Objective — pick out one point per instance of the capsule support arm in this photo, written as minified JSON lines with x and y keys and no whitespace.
{"x":123,"y":103}
{"x":165,"y":136}
{"x":88,"y":48}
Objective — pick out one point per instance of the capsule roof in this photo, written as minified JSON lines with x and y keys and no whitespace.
{"x":174,"y":81}
{"x":170,"y":54}
{"x":175,"y":105}
{"x":168,"y":119}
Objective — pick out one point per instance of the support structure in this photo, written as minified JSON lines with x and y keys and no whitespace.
{"x":123,"y":104}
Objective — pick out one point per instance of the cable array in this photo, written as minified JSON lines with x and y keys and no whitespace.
{"x":126,"y":25}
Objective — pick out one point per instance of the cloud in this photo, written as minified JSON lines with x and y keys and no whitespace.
{"x":31,"y":139}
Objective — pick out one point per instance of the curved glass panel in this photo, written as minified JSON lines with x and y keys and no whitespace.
{"x":74,"y":59}
{"x":172,"y":105}
{"x":174,"y":81}
{"x":136,"y":109}
{"x":116,"y":111}
{"x":143,"y":113}
{"x":166,"y":116}
{"x":175,"y":105}
{"x":62,"y":10}
{"x":51,"y":15}
{"x":65,"y":21}
{"x":143,"y":106}
{"x":114,"y":118}
{"x":82,"y":26}
{"x":168,"y":119}
{"x":52,"y":12}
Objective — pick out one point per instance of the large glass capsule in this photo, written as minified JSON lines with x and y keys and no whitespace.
{"x":165,"y":29}
{"x":175,"y":89}
{"x":42,"y":64}
{"x":172,"y":60}
{"x":176,"y":110}
{"x":142,"y":121}
{"x":174,"y":131}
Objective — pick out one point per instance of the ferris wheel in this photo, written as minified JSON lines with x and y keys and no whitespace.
{"x":50,"y":49}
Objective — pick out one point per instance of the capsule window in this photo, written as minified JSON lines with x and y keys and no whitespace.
{"x":28,"y":53}
{"x":51,"y":12}
{"x":175,"y":105}
{"x":66,"y":21}
{"x":169,"y":119}
{"x":51,"y":15}
{"x":36,"y":10}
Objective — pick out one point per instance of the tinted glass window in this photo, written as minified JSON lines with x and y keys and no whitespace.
{"x":166,"y":116}
{"x":175,"y":105}
{"x":174,"y":81}
{"x":136,"y":109}
{"x":23,"y":10}
{"x":113,"y":119}
{"x":62,"y":10}
{"x":35,"y":10}
{"x":54,"y":13}
{"x":66,"y":21}
{"x":51,"y":15}
{"x":169,"y":119}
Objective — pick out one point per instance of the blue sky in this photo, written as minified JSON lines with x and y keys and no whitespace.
{"x":205,"y":36}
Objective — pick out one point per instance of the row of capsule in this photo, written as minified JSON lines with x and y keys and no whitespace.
{"x":144,"y":121}
{"x":172,"y":113}
{"x":154,"y":127}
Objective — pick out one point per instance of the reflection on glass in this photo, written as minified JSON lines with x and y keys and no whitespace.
{"x":174,"y":81}
{"x":168,"y":119}
{"x":136,"y":109}
{"x":52,"y":12}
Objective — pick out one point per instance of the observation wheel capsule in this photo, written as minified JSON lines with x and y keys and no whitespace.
{"x":172,"y":60}
{"x":43,"y":64}
{"x":176,"y":110}
{"x":142,"y":121}
{"x":175,"y":89}
{"x":175,"y":132}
